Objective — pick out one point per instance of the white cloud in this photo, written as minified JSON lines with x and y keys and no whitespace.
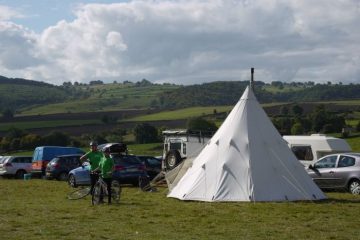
{"x":7,"y":13}
{"x":191,"y":42}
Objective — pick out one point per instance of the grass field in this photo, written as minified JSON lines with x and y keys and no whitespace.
{"x":186,"y":113}
{"x":47,"y":124}
{"x":39,"y":209}
{"x":107,"y":97}
{"x":181,"y":113}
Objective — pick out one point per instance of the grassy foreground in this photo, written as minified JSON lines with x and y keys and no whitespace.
{"x":39,"y":209}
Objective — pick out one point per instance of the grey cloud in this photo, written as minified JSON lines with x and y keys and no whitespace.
{"x":17,"y":47}
{"x":199,"y":41}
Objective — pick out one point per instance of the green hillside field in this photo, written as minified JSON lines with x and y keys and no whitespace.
{"x":47,"y":124}
{"x":189,"y":113}
{"x":107,"y":97}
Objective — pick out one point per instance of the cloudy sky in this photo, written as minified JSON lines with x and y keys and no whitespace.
{"x":178,"y":41}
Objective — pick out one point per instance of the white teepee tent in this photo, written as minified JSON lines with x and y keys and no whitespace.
{"x":246,"y":160}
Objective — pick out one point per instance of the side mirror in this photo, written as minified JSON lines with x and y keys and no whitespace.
{"x":311,"y":167}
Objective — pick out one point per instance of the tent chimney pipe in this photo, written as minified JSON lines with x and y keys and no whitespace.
{"x":252,"y":79}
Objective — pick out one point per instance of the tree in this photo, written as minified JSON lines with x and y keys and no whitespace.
{"x":8,"y":113}
{"x":297,"y":110}
{"x":328,"y":128}
{"x":283,"y":125}
{"x":5,"y":144}
{"x":57,"y":139}
{"x":14,"y":144}
{"x":322,"y":120}
{"x":297,"y":129}
{"x":30,"y":141}
{"x":319,"y":118}
{"x":201,"y":124}
{"x":284,"y":110}
{"x":358,"y":126}
{"x":154,"y":103}
{"x":14,"y":132}
{"x":145,"y":133}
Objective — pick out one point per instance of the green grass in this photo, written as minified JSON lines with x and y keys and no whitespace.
{"x":39,"y":209}
{"x":154,"y":149}
{"x":354,"y":143}
{"x":107,"y":97}
{"x":274,"y":89}
{"x":355,"y":102}
{"x":47,"y":124}
{"x":181,"y":113}
{"x":186,"y":113}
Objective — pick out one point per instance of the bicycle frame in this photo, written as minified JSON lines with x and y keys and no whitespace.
{"x":100,"y":191}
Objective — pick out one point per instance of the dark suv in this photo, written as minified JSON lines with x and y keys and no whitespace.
{"x":152,"y":165}
{"x":60,"y":166}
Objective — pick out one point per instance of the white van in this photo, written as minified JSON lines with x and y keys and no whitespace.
{"x":308,"y":149}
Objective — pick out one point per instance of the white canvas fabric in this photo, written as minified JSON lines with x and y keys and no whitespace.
{"x":246,"y":160}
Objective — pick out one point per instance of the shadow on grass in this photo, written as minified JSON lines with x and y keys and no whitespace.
{"x":343,"y":199}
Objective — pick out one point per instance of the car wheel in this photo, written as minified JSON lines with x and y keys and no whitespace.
{"x":20,"y":174}
{"x":63,"y":176}
{"x":172,"y":159}
{"x":72,"y":181}
{"x":354,"y":187}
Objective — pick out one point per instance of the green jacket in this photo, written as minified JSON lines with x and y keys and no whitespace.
{"x":106,"y":167}
{"x":94,"y":159}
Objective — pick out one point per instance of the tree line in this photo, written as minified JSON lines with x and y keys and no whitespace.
{"x":228,"y":93}
{"x":289,"y":121}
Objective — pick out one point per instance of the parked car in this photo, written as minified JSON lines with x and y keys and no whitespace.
{"x":152,"y":165}
{"x":60,"y":166}
{"x":128,"y":169}
{"x":43,"y":155}
{"x":15,"y":166}
{"x":337,"y":171}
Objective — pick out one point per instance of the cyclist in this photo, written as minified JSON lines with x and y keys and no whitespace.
{"x":94,"y":157}
{"x":106,"y":167}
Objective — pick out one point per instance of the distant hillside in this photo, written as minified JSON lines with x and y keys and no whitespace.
{"x":228,"y":93}
{"x":21,"y":81}
{"x":16,"y":93}
{"x":32,"y":98}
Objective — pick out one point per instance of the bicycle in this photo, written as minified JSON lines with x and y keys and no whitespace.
{"x":79,"y":193}
{"x":100,"y":191}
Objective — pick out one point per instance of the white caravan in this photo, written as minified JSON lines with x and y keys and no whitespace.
{"x":308,"y":149}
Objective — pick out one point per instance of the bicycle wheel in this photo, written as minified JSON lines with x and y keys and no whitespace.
{"x":79,"y":193}
{"x":96,"y":194}
{"x":144,"y":184}
{"x":115,"y":191}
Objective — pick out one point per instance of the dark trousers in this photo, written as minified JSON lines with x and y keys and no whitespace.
{"x":108,"y":187}
{"x":93,"y":179}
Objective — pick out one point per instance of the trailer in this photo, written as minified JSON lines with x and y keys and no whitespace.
{"x":308,"y":149}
